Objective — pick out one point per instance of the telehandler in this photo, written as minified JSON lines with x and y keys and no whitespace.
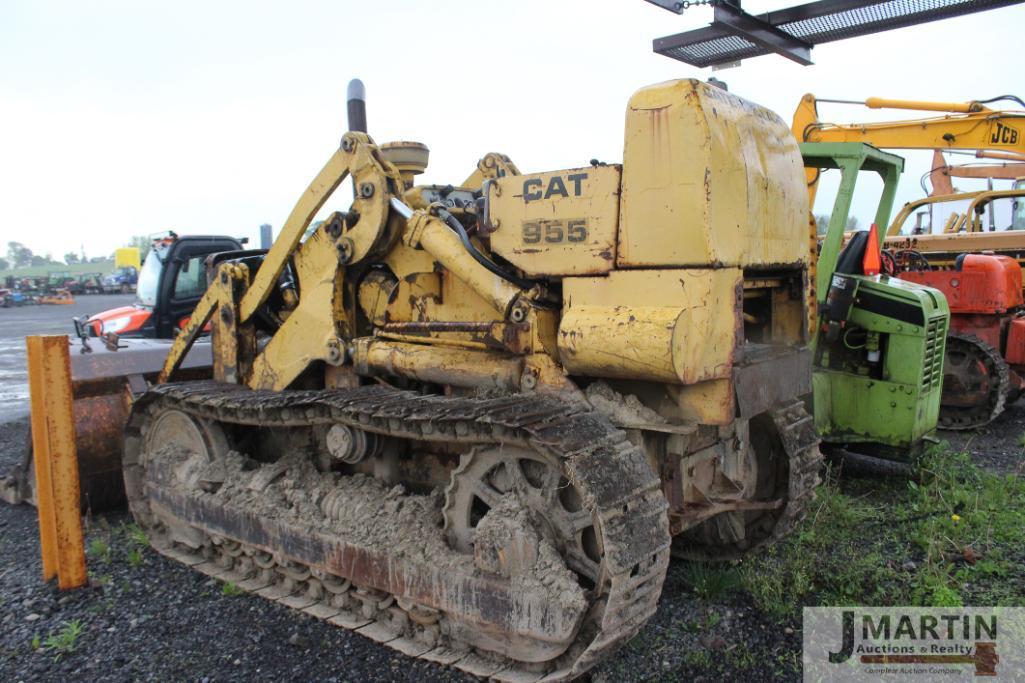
{"x":171,"y":281}
{"x":473,"y":421}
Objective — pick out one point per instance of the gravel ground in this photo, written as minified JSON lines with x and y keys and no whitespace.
{"x":146,"y":618}
{"x":998,"y":445}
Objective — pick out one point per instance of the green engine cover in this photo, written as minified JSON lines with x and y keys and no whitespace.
{"x":890,"y":402}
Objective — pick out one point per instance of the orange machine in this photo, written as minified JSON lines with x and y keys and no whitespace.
{"x":984,"y":366}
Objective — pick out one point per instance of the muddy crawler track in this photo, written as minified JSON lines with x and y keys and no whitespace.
{"x":613,"y":476}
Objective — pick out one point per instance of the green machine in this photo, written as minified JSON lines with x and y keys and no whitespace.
{"x":879,"y":341}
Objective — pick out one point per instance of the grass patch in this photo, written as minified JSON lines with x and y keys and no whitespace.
{"x":135,"y":558}
{"x":955,"y":536}
{"x":124,"y":542}
{"x":710,"y":581}
{"x":137,"y":541}
{"x":230,"y":589}
{"x":698,"y":659}
{"x":65,"y":641}
{"x":135,"y":535}
{"x":741,"y":657}
{"x":98,"y":549}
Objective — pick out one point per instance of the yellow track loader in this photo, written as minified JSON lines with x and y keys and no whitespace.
{"x":472,"y":421}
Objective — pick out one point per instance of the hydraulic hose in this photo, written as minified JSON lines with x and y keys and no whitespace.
{"x":452,"y":222}
{"x":457,"y":227}
{"x":1011,"y":98}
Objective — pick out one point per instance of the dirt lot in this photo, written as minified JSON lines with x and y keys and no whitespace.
{"x":145,"y":618}
{"x":17,"y":322}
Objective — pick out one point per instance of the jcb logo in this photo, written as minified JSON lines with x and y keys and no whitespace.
{"x":1003,"y":135}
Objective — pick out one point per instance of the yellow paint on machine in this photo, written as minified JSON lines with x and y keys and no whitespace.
{"x":709,"y":179}
{"x":558,"y":223}
{"x":675,"y":326}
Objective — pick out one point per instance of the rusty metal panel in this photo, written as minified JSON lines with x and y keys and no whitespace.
{"x":769,"y":375}
{"x":709,"y":178}
{"x":557,"y":223}
{"x":133,"y":357}
{"x":99,"y":438}
{"x":676,"y":326}
{"x":53,"y":442}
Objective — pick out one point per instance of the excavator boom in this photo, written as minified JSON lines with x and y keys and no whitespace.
{"x":941,"y":172}
{"x":966,"y":125}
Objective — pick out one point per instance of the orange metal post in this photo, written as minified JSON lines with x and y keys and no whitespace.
{"x":56,"y":462}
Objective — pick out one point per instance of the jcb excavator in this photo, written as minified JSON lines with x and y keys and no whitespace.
{"x":991,"y":133}
{"x":994,"y":133}
{"x":472,"y":421}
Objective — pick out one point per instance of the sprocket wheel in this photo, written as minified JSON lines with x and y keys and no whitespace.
{"x":204,"y":442}
{"x":976,"y":383}
{"x":487,"y":475}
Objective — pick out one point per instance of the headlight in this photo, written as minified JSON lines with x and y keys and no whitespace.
{"x":116,"y":325}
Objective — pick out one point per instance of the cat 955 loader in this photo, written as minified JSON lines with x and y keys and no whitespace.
{"x":473,"y":421}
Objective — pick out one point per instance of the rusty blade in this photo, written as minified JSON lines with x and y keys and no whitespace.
{"x":133,"y":357}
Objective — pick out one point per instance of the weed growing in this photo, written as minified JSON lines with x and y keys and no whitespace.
{"x":98,"y":549}
{"x":230,"y":589}
{"x":710,"y":581}
{"x":135,"y":557}
{"x":955,"y":536}
{"x":64,"y":641}
{"x":135,"y":535}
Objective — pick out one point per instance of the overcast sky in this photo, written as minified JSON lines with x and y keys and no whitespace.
{"x":120,"y":118}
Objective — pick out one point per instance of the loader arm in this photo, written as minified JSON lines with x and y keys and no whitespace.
{"x":941,"y":172}
{"x":492,"y":165}
{"x":355,"y":235}
{"x":320,"y":327}
{"x":965,"y":125}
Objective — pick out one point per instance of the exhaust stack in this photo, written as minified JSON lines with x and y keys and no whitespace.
{"x":356,"y":102}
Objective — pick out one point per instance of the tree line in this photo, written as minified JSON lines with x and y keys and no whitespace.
{"x":20,"y":256}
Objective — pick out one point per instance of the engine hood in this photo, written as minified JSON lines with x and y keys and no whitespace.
{"x":121,"y":321}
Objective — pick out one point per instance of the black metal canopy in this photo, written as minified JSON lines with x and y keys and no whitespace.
{"x":792,"y":32}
